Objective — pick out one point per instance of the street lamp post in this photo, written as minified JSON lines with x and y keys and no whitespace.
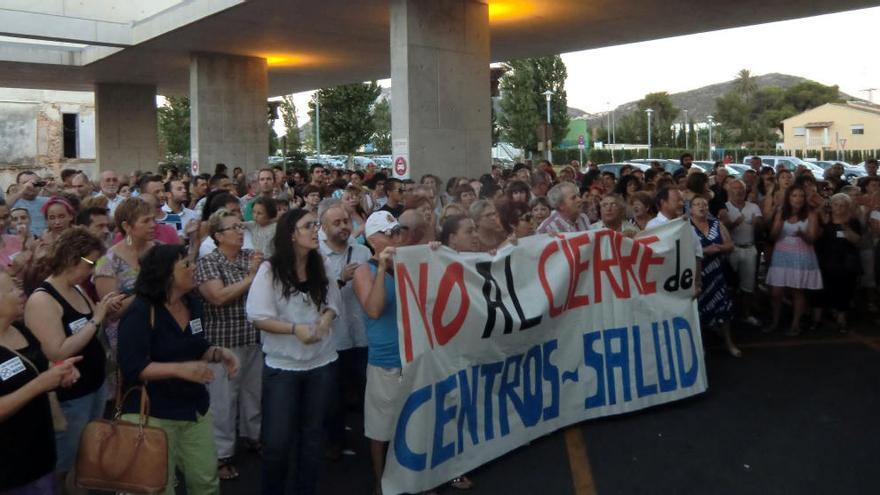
{"x":687,"y":133}
{"x":609,"y":123}
{"x":318,"y":125}
{"x":711,"y":122}
{"x":548,"y":95}
{"x":649,"y":112}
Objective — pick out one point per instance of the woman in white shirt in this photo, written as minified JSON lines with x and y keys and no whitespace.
{"x":292,"y":302}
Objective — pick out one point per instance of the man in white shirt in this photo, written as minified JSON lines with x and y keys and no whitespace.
{"x":741,"y":217}
{"x":109,"y":183}
{"x":669,"y":207}
{"x":342,"y":257}
{"x":175,"y":199}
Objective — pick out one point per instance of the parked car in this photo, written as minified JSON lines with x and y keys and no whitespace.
{"x":669,"y":165}
{"x":362,"y":162}
{"x":789,"y":162}
{"x":737,"y":169}
{"x":615,"y":167}
{"x":851,"y":173}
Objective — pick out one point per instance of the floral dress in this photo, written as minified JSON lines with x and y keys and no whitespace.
{"x":714,"y":301}
{"x":112,"y":265}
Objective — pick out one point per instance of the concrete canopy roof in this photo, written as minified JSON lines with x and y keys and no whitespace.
{"x":313,"y":44}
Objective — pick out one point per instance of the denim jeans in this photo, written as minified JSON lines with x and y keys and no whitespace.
{"x":350,"y":380}
{"x":294,"y":408}
{"x":78,"y":412}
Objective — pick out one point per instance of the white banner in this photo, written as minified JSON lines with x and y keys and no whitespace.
{"x":497,"y":351}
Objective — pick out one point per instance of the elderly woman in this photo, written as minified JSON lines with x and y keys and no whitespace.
{"x":66,"y":323}
{"x":611,"y":216}
{"x":839,"y":259}
{"x":224,"y":277}
{"x":714,"y":303}
{"x":490,"y":232}
{"x":164,"y":349}
{"x":293,"y":303}
{"x":642,"y":206}
{"x":26,"y":427}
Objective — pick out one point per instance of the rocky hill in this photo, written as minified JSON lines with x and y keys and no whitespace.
{"x":700,"y":102}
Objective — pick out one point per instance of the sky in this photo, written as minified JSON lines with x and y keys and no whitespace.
{"x":831,"y":49}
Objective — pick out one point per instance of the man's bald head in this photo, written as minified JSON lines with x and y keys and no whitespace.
{"x":412,"y":228}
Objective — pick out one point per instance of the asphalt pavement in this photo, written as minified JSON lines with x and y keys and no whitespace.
{"x":794,"y":415}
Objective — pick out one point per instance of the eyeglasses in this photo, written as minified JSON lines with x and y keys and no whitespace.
{"x":309,"y":226}
{"x":90,"y":262}
{"x":237,"y":227}
{"x":526,"y":217}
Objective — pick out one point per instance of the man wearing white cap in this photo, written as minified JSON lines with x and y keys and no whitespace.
{"x":374,"y":288}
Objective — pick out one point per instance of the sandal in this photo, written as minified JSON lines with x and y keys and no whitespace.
{"x":461,"y":483}
{"x":253,"y":445}
{"x":226,"y":470}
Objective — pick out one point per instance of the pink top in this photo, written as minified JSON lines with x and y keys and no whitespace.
{"x":11,"y":248}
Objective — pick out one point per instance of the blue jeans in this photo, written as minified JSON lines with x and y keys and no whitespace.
{"x":294,"y":408}
{"x":78,"y":412}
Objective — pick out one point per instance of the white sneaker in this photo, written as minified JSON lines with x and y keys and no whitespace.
{"x":751,"y":320}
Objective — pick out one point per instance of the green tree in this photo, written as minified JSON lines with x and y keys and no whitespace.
{"x":382,"y":124}
{"x":173,"y":119}
{"x":291,"y":124}
{"x":662,"y":118}
{"x":346,"y":116}
{"x":523,"y":104}
{"x":752,"y":116}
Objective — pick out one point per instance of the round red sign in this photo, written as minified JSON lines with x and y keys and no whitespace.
{"x":400,"y":165}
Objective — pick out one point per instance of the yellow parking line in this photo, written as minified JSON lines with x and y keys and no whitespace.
{"x":871,"y":342}
{"x":579,"y":462}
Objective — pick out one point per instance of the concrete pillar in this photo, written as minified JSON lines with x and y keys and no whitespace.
{"x":440,"y":102}
{"x":228,"y":111}
{"x":126,"y":127}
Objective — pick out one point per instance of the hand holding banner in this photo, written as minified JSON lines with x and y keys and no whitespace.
{"x":497,"y":351}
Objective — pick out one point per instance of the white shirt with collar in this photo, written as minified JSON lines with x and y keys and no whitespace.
{"x":348,"y":328}
{"x":660,"y":219}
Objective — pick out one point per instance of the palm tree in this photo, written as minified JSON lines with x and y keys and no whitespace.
{"x":745,"y":84}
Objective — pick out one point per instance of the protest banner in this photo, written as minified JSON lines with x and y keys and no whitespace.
{"x":499,"y":350}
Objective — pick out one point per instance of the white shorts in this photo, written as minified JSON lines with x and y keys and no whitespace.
{"x":744,"y":261}
{"x":383,"y":387}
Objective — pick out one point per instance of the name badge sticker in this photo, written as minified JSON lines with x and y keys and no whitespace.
{"x":11,"y":368}
{"x":196,"y":326}
{"x":76,"y":326}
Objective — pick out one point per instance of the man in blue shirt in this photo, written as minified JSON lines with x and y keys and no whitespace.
{"x":27,"y":197}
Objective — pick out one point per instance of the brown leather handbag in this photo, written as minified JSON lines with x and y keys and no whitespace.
{"x":119,"y":456}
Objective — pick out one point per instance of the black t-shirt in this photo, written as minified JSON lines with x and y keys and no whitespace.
{"x":396,"y":211}
{"x":92,"y":366}
{"x":27,"y":438}
{"x":718,"y":201}
{"x":835,"y":252}
{"x":164,"y":342}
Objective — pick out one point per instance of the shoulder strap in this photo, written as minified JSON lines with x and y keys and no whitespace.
{"x":25,"y":359}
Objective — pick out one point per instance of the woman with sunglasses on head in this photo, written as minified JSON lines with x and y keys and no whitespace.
{"x":293,"y":303}
{"x":163,"y":348}
{"x":66,"y":323}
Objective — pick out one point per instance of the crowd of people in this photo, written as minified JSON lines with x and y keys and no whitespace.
{"x":258,"y":308}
